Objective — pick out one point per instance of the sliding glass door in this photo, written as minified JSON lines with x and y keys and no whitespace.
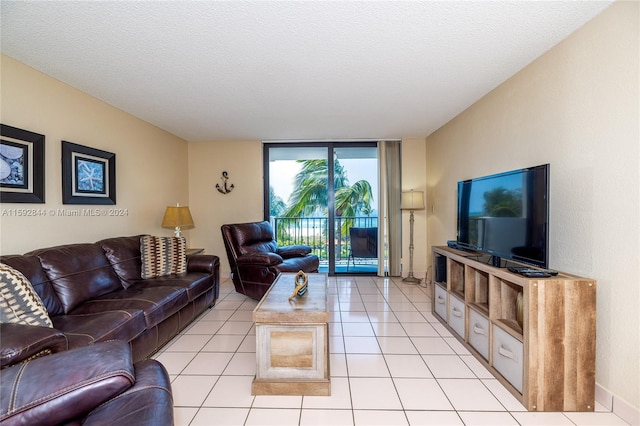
{"x":323,"y":194}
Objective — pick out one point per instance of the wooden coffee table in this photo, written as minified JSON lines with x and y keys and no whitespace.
{"x":292,"y":344}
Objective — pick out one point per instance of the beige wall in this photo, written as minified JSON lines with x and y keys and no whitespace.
{"x":150,"y":163}
{"x":243,"y":162}
{"x":577,"y":108}
{"x":414,"y":176}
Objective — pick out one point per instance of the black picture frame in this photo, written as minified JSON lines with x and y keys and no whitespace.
{"x":22,"y":166}
{"x":88,"y":175}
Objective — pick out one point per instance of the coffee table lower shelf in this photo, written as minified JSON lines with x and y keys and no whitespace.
{"x":291,"y":387}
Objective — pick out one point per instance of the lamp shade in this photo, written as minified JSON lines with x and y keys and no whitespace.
{"x":412,"y":200}
{"x":177,"y":217}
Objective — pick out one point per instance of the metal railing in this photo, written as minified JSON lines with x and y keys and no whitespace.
{"x":314,"y":232}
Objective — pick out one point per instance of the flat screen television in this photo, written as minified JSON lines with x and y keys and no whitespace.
{"x":506,"y":215}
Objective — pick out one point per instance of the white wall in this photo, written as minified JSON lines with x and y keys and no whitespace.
{"x":150,"y":163}
{"x":577,"y":108}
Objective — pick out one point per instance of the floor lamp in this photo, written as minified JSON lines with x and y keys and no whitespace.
{"x":411,"y":200}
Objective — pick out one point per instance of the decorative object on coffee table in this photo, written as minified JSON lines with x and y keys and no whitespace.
{"x":301,"y":281}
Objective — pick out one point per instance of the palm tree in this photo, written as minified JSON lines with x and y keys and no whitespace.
{"x":310,"y":195}
{"x":276,"y":203}
{"x":351,"y":200}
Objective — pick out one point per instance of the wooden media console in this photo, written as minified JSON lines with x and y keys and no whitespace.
{"x":537,"y":336}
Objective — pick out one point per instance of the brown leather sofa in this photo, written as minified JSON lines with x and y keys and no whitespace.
{"x":93,"y":293}
{"x":91,"y":385}
{"x":256,"y":260}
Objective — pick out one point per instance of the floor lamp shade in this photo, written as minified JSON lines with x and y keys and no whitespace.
{"x":177,"y":218}
{"x":411,"y":200}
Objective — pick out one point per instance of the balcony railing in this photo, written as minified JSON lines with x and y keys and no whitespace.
{"x":314,"y":232}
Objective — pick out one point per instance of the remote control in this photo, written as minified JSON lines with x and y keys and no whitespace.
{"x":532,"y":273}
{"x":536,"y":274}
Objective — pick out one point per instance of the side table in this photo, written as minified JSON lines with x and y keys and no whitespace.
{"x":192,"y":251}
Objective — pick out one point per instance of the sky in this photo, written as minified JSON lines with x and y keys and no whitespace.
{"x":282,"y":174}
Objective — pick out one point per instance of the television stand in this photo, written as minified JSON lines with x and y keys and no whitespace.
{"x":535,"y":335}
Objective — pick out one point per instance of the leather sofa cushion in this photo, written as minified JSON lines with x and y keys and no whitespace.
{"x":124,"y":255}
{"x":61,"y":387}
{"x":157,"y":302}
{"x":19,"y":302}
{"x":21,"y":342}
{"x":31,"y":268}
{"x":195,"y":283}
{"x":89,"y":328}
{"x":148,"y":402}
{"x":78,"y":272}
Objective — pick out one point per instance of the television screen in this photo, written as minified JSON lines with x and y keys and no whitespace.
{"x":506,"y":215}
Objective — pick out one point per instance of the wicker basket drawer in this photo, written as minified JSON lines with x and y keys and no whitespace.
{"x":457,"y":315}
{"x":507,"y":357}
{"x":441,"y":302}
{"x":479,"y":333}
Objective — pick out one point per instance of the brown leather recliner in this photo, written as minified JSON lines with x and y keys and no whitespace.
{"x":256,"y":260}
{"x":91,"y":385}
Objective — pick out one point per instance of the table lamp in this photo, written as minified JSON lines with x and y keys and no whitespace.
{"x":177,"y":217}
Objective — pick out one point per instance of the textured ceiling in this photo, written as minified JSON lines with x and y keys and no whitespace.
{"x":216,"y":70}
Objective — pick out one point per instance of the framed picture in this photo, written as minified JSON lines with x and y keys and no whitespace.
{"x":88,"y":175}
{"x":21,"y":166}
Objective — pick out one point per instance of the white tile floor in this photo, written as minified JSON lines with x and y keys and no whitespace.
{"x":392,"y":363}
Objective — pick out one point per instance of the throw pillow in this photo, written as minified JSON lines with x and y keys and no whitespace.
{"x":19,"y":302}
{"x":163,"y":256}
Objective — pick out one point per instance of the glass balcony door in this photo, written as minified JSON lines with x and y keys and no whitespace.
{"x":311,"y":200}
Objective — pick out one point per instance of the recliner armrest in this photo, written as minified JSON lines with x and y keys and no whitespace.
{"x":148,"y":402}
{"x":65,"y":386}
{"x":259,"y":258}
{"x":20,"y":342}
{"x":298,"y":250}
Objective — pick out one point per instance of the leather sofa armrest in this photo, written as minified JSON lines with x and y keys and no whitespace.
{"x":298,"y":250}
{"x":259,"y":258}
{"x":19,"y":342}
{"x":206,"y":263}
{"x":65,"y":386}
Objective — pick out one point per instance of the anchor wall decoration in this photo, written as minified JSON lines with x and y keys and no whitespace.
{"x":224,"y":189}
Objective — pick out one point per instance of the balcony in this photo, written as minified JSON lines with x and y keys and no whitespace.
{"x":314,"y":232}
